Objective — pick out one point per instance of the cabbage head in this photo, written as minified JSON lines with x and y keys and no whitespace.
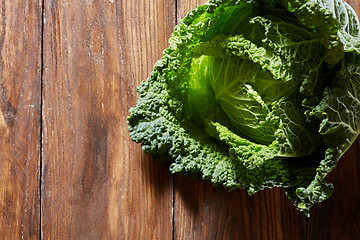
{"x":255,"y":94}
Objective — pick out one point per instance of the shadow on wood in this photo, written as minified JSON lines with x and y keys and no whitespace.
{"x":157,"y":175}
{"x":206,"y":212}
{"x":340,"y":214}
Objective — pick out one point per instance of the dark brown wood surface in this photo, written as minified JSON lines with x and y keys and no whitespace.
{"x":96,"y":183}
{"x":20,"y":104}
{"x":68,"y":169}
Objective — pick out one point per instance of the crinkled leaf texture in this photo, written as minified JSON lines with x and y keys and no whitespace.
{"x":256,"y":94}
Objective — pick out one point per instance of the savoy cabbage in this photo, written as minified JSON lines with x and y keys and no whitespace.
{"x":254,"y":94}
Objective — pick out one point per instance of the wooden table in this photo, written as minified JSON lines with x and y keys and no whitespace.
{"x":68,"y":169}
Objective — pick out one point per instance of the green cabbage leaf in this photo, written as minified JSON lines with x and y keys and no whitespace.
{"x":256,"y":94}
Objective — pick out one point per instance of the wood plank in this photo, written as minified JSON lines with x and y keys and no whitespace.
{"x":184,"y":6}
{"x":355,"y":4}
{"x":97,"y":184}
{"x":339,"y":216}
{"x":20,"y":107}
{"x":205,"y":212}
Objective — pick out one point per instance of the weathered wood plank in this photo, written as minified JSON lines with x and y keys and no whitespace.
{"x":97,"y":184}
{"x":339,"y":216}
{"x":205,"y":212}
{"x":20,"y":106}
{"x":355,"y":4}
{"x":184,"y":6}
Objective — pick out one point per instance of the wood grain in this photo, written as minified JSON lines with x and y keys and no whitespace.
{"x":97,"y":184}
{"x":20,"y":104}
{"x":184,"y":6}
{"x":339,"y":216}
{"x":205,"y":212}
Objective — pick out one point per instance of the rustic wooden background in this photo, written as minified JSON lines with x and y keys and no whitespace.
{"x":68,"y":169}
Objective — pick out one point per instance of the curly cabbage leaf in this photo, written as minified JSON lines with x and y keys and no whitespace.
{"x":255,"y":94}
